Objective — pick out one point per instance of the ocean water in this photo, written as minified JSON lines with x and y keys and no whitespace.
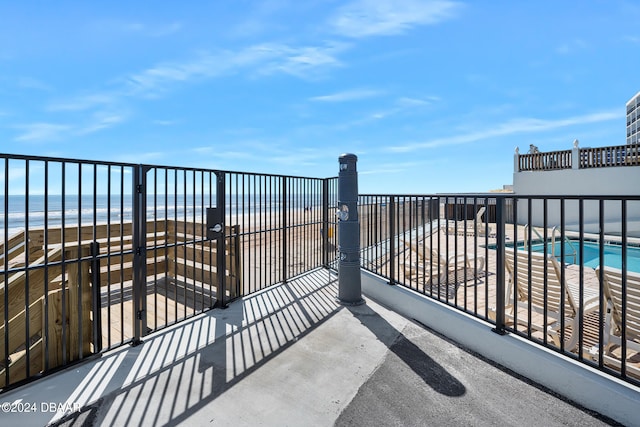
{"x":17,"y":212}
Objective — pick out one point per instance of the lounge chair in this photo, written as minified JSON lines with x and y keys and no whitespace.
{"x":528,"y":287}
{"x":441,"y":274}
{"x":477,"y":226}
{"x":613,"y":285}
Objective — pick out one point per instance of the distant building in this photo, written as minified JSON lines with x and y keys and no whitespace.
{"x":633,"y":120}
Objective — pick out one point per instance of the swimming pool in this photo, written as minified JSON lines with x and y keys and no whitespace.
{"x":591,"y":253}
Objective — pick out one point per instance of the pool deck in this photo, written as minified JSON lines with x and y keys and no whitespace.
{"x":291,"y":356}
{"x":475,"y":294}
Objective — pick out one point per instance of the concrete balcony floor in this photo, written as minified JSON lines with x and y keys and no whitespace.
{"x":292,"y":356}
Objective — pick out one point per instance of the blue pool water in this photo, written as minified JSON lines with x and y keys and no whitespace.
{"x":591,"y":254}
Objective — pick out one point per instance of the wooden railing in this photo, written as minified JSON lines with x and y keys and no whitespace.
{"x":600,"y":157}
{"x":585,"y":158}
{"x":197,"y":261}
{"x":36,"y":294}
{"x":552,"y":160}
{"x":42,"y":335}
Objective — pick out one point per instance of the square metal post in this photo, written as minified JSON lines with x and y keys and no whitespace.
{"x":140,"y":253}
{"x":221,"y":267}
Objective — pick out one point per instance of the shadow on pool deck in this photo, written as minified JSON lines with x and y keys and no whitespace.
{"x":291,"y":356}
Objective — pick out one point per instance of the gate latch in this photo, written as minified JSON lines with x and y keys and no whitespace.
{"x":215,"y":225}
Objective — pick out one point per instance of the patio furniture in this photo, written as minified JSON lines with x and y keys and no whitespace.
{"x":545,"y":297}
{"x":477,"y":226}
{"x":442,"y":274}
{"x":623,"y":313}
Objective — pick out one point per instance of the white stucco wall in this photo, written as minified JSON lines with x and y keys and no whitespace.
{"x":610,"y":181}
{"x":616,"y":181}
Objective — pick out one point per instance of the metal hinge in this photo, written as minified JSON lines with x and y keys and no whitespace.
{"x":139,"y":314}
{"x":139,"y":188}
{"x":139,"y":250}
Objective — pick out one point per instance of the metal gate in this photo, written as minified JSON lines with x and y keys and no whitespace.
{"x":95,"y":255}
{"x":182,"y":250}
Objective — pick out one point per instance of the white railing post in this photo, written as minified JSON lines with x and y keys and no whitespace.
{"x":575,"y":155}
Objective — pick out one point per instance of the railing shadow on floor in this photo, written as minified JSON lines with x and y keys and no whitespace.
{"x":219,"y":349}
{"x":197,"y":362}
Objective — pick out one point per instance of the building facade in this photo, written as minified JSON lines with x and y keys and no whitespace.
{"x":633,"y":120}
{"x":602,"y":171}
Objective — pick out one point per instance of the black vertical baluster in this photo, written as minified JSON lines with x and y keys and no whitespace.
{"x":155,"y":248}
{"x":196,"y":243}
{"x":623,"y":332}
{"x":109,"y":256}
{"x":78,"y":279}
{"x":602,"y":300}
{"x":63,"y":262}
{"x":285,"y":236}
{"x":46,"y":266}
{"x":184,"y":244}
{"x":581,"y":263}
{"x":500,"y":267}
{"x":122,"y":234}
{"x":562,"y":279}
{"x":27,"y":245}
{"x":5,"y":356}
{"x":392,"y":250}
{"x":94,"y":263}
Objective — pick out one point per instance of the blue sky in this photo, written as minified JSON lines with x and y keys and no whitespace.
{"x":433,"y":96}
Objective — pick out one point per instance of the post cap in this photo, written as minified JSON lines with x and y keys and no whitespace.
{"x":347,"y":157}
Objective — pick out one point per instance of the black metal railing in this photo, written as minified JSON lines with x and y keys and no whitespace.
{"x":285,"y":225}
{"x":484,"y":255}
{"x":94,"y":255}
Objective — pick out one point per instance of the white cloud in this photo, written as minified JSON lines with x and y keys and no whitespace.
{"x":400,"y":105}
{"x":157,"y":78}
{"x":516,"y":126}
{"x":259,"y":19}
{"x":41,"y":131}
{"x":99,"y":121}
{"x":84,"y":102}
{"x":398,"y":167}
{"x":407,"y":102}
{"x":152,"y":79}
{"x":202,"y":150}
{"x":301,"y":62}
{"x":31,"y":83}
{"x":632,"y":39}
{"x":165,"y":122}
{"x":233,"y":155}
{"x":116,"y":28}
{"x":571,"y":47}
{"x":166,"y":30}
{"x":50,"y":131}
{"x":348,"y":95}
{"x":143,"y":157}
{"x":364,"y":18}
{"x":305,"y":62}
{"x":305,"y":157}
